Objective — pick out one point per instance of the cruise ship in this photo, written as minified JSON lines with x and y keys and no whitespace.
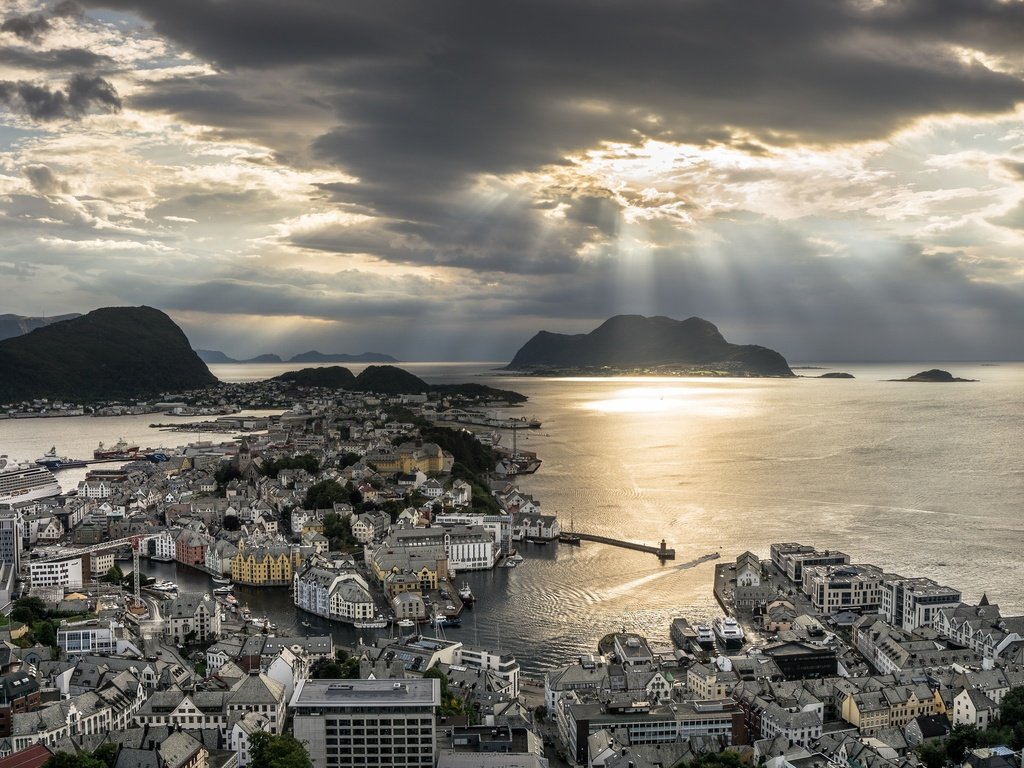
{"x":25,"y":482}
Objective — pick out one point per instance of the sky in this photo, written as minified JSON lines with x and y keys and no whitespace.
{"x":440,"y":179}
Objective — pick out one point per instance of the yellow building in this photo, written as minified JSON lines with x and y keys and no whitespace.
{"x":409,"y":457}
{"x":265,"y":566}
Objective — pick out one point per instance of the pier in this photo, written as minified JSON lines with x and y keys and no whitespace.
{"x":662,"y":552}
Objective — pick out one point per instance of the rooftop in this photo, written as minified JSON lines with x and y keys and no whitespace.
{"x":367,"y":693}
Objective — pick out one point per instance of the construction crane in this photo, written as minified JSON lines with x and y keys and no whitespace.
{"x":135,"y":542}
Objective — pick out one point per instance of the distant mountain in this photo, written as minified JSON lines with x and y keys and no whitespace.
{"x":19,"y":325}
{"x":110,"y":353}
{"x":219,"y":358}
{"x":629,"y":342}
{"x":320,"y":357}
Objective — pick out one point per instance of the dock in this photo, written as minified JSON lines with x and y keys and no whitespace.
{"x":662,"y":552}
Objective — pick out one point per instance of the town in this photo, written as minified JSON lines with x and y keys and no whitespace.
{"x":367,"y":507}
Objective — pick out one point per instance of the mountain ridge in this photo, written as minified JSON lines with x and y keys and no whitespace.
{"x":629,"y":342}
{"x":109,"y":353}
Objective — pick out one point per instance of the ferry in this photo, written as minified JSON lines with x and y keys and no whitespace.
{"x":25,"y":482}
{"x":466,"y":594}
{"x":729,"y":632}
{"x":705,"y":637}
{"x":53,"y":462}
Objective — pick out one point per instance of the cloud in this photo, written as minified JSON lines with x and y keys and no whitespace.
{"x":45,"y":181}
{"x":59,"y":59}
{"x":30,"y":27}
{"x":82,"y":94}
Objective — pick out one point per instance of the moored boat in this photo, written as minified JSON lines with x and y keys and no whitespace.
{"x":705,"y":637}
{"x":25,"y":482}
{"x":378,"y":623}
{"x":729,"y":632}
{"x":466,"y":594}
{"x":119,"y":450}
{"x":53,"y":462}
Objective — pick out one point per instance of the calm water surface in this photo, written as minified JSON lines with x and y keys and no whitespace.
{"x":922,"y":479}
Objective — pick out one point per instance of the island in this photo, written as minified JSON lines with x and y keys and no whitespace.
{"x":835,"y":375}
{"x":936,"y":376}
{"x":633,"y":344}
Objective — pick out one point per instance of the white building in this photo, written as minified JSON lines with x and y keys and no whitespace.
{"x":57,"y":573}
{"x":340,"y":722}
{"x":163,"y":547}
{"x":912,"y":603}
{"x":89,"y":636}
{"x":192,"y":617}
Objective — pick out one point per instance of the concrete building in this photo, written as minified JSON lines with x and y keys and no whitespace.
{"x":191,"y":616}
{"x":11,"y":536}
{"x":367,"y":722}
{"x":834,"y":588}
{"x":912,"y":603}
{"x":791,"y":558}
{"x":57,"y":573}
{"x":89,"y":636}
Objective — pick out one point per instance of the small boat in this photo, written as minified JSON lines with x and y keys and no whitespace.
{"x":221,"y":579}
{"x":466,"y":594}
{"x":225,"y":590}
{"x":516,"y":557}
{"x":537,"y":540}
{"x":379,"y":623}
{"x":306,"y":624}
{"x":729,"y":632}
{"x":446,"y":621}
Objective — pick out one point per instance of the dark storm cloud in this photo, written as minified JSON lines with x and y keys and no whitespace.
{"x":59,"y":59}
{"x":45,"y":181}
{"x":84,"y":93}
{"x":30,"y":27}
{"x":428,"y":96}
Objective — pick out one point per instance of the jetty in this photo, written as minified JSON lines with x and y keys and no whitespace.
{"x":662,"y":551}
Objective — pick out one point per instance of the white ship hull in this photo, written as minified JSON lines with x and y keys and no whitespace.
{"x":20,"y":483}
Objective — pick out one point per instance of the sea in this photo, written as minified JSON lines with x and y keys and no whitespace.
{"x":921,"y":479}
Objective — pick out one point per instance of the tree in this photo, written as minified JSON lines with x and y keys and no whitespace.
{"x":107,"y":753}
{"x":324,"y":495}
{"x":115,"y":575}
{"x":726,"y":759}
{"x":45,"y":633}
{"x":232,"y":523}
{"x":29,"y":610}
{"x":1011,"y":710}
{"x":962,"y":739}
{"x":541,"y":712}
{"x":932,"y":754}
{"x":69,"y":760}
{"x":269,"y":750}
{"x":325,"y":669}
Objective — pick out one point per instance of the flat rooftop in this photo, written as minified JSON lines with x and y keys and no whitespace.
{"x":331,"y":694}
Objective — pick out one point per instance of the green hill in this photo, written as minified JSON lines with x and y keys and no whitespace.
{"x":108,"y":354}
{"x":389,"y":380}
{"x":333,"y":376}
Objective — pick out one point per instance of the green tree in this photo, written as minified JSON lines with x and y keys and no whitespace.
{"x":541,"y":712}
{"x":932,"y":754}
{"x":270,"y":750}
{"x":323,"y":495}
{"x":115,"y":575}
{"x":961,"y":740}
{"x":69,"y":760}
{"x":325,"y":669}
{"x":29,"y":610}
{"x":1011,"y":710}
{"x":107,"y":753}
{"x":726,"y":759}
{"x":45,"y":633}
